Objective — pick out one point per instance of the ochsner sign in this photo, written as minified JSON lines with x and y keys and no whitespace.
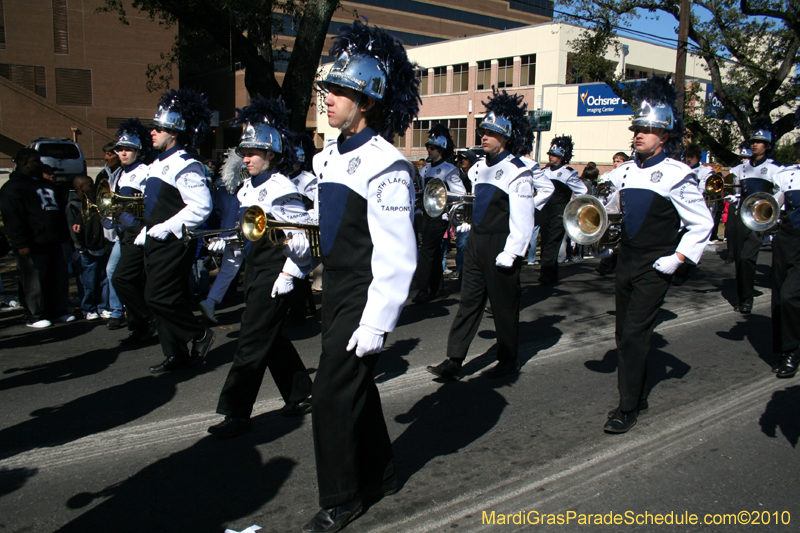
{"x":599,"y":100}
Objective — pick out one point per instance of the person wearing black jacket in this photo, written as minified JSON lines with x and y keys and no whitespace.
{"x":36,"y":228}
{"x":89,"y":241}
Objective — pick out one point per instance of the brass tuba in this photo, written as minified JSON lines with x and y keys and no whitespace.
{"x":436,"y":200}
{"x":760,"y":211}
{"x":111,"y":204}
{"x":255,"y":225}
{"x":587,"y":222}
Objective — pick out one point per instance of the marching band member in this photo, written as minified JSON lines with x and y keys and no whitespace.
{"x":269,"y":273}
{"x":429,"y":266}
{"x":134,"y":148}
{"x":176,"y":195}
{"x":503,"y":222}
{"x":659,"y":199}
{"x":366,"y":203}
{"x":786,"y":272}
{"x":566,"y":181}
{"x":756,"y":175}
{"x":733,"y":199}
{"x":542,"y":190}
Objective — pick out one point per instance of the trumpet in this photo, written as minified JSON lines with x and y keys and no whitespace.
{"x":436,"y":200}
{"x":760,"y":211}
{"x":206,"y":235}
{"x":587,"y":222}
{"x":716,"y":187}
{"x":111,"y":204}
{"x":256,"y":225}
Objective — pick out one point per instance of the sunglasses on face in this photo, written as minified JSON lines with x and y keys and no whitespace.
{"x":159,"y":129}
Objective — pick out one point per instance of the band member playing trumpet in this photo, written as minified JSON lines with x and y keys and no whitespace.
{"x":429,"y":264}
{"x":665,"y":222}
{"x":269,"y":273}
{"x":134,"y":148}
{"x":756,"y":175}
{"x":503,"y":214}
{"x":786,"y":272}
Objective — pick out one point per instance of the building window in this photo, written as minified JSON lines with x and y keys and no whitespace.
{"x":477,"y":142}
{"x":505,"y":72}
{"x":419,"y":135}
{"x":73,"y":86}
{"x":422,"y":76}
{"x":2,"y":27}
{"x":484,"y":75}
{"x":630,"y":73}
{"x":460,"y":78}
{"x":643,"y":75}
{"x":26,"y":76}
{"x":399,"y":142}
{"x":439,"y":80}
{"x":458,"y":131}
{"x":60,"y":29}
{"x":527,"y":74}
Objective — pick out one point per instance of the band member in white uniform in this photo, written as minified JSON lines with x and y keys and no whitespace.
{"x":757,"y":175}
{"x":665,"y":222}
{"x":732,"y":199}
{"x":176,"y":195}
{"x":135,"y":151}
{"x":502,"y":225}
{"x":429,"y":264}
{"x":269,"y":273}
{"x":566,"y":182}
{"x":542,"y":190}
{"x":366,"y":208}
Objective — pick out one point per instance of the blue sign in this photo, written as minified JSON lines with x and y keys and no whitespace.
{"x":714,"y":106}
{"x":599,"y":100}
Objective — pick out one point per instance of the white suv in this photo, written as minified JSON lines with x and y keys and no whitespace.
{"x":64,"y":155}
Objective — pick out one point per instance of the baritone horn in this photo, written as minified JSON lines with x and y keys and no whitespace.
{"x":588,"y":223}
{"x":436,"y":200}
{"x":255,"y":225}
{"x":88,"y":209}
{"x":760,"y":211}
{"x":111,"y":204}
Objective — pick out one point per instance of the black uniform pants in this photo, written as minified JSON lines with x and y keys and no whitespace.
{"x":129,"y":280}
{"x":43,"y":284}
{"x":786,"y":289}
{"x":167,"y":268}
{"x":351,"y":443}
{"x":480,"y":280}
{"x":745,"y":248}
{"x":263,"y":345}
{"x":640,"y":292}
{"x":552,"y":233}
{"x":429,"y":261}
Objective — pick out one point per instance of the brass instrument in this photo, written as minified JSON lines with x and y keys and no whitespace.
{"x":206,"y":235}
{"x":88,"y":209}
{"x":256,"y":225}
{"x":760,"y":211}
{"x":716,"y":187}
{"x":111,"y":204}
{"x":587,"y":222}
{"x":436,"y":200}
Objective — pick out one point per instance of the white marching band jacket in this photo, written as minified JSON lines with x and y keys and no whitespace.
{"x":366,"y":209}
{"x":755,"y":178}
{"x":703,"y":172}
{"x":566,"y":183}
{"x":446,"y":172}
{"x":504,"y":200}
{"x":133,"y":179}
{"x":787,"y":181}
{"x":542,"y":187}
{"x":306,"y":184}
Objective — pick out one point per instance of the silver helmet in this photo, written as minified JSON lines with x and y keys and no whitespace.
{"x":655,"y":115}
{"x":557,"y":150}
{"x":168,"y":117}
{"x":496,"y":123}
{"x":362,"y":73}
{"x":762,"y":135}
{"x":263,"y":136}
{"x":300,"y":152}
{"x":129,"y":139}
{"x":437,"y":141}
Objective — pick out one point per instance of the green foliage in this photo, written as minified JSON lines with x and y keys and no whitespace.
{"x":785,"y":154}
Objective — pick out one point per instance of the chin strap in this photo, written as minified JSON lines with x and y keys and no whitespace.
{"x":356,"y":103}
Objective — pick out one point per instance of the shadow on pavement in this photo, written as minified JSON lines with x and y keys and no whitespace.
{"x":12,"y":479}
{"x":781,"y":413}
{"x":57,"y":333}
{"x":751,"y":328}
{"x":391,"y":363}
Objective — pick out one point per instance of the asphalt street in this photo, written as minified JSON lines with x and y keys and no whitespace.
{"x":91,"y":442}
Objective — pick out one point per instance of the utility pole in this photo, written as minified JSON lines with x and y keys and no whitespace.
{"x":680,"y":63}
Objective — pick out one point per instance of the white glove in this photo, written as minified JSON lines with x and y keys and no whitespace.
{"x":463,"y":228}
{"x":216,"y":246}
{"x":504,"y":260}
{"x":139,"y":240}
{"x":106,"y":223}
{"x":731,"y":198}
{"x":668,"y":264}
{"x":604,"y":254}
{"x":445,"y":216}
{"x":283,"y":285}
{"x":159,"y":232}
{"x":366,"y":340}
{"x":297,"y":248}
{"x":127,"y":220}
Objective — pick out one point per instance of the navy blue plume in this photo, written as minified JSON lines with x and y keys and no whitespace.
{"x":135,"y":127}
{"x":440,"y":130}
{"x":192,"y":106}
{"x":564,"y":142}
{"x":273,"y":112}
{"x":401,"y":98}
{"x":511,"y":107}
{"x":659,"y":89}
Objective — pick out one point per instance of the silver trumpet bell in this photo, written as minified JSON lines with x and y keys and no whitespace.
{"x":436,"y":200}
{"x":585,"y":219}
{"x":760,"y":211}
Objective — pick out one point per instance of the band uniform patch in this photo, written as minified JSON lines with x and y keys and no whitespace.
{"x":438,"y":171}
{"x":262,"y":195}
{"x":352,"y":166}
{"x":764,"y":171}
{"x":165,"y":170}
{"x":655,"y":177}
{"x":498,"y":174}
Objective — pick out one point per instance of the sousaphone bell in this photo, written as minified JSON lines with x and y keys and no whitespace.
{"x":588,"y":223}
{"x":437,"y":199}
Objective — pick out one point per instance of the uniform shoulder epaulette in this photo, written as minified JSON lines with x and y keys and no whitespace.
{"x":679,"y":164}
{"x":187,"y":157}
{"x":518,"y":162}
{"x":571,"y":169}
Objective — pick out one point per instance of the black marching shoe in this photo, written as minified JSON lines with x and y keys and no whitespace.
{"x":746,"y":309}
{"x":231,"y":427}
{"x":335,"y":518}
{"x":298,"y":408}
{"x":201,"y":346}
{"x":503,"y":368}
{"x":643,"y":407}
{"x":171,"y":363}
{"x":422,"y":297}
{"x":139,"y":336}
{"x":621,"y":422}
{"x":115,"y":323}
{"x":447,"y":370}
{"x":788,"y":366}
